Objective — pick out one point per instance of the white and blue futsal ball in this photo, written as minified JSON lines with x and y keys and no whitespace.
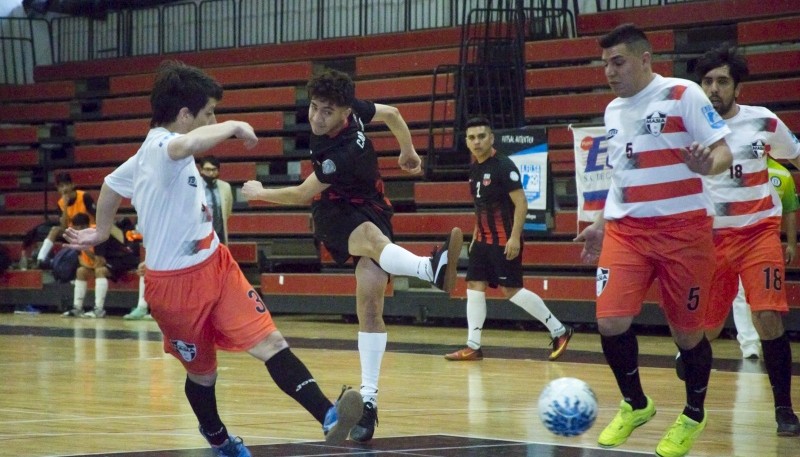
{"x":567,"y":406}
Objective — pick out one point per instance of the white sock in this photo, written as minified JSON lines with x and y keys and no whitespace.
{"x":47,"y":245}
{"x":80,"y":294}
{"x":476,"y":316}
{"x":371,"y":347}
{"x":534,"y":305}
{"x":399,"y":261}
{"x":142,"y":304}
{"x":100,"y":291}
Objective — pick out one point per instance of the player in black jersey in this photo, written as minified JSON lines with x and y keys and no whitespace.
{"x":495,"y":253}
{"x":352,"y":217}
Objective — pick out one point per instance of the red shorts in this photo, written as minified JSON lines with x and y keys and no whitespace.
{"x":204,"y":307}
{"x":679,"y":252}
{"x":755,"y":254}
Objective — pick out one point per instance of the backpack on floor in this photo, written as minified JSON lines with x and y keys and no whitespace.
{"x":65,"y":264}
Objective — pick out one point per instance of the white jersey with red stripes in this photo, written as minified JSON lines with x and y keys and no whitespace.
{"x":646,"y":133}
{"x":743,"y":195}
{"x":173,"y":217}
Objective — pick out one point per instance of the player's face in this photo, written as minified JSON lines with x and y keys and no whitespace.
{"x":479,"y":141}
{"x":205,"y":116}
{"x":66,"y":189}
{"x":325,"y":117}
{"x":721,"y":90}
{"x":626,"y":71}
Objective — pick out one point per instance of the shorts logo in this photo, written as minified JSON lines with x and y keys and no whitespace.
{"x":328,"y":167}
{"x":655,"y":122}
{"x":712,"y":117}
{"x":759,"y":147}
{"x":602,"y":279}
{"x":192,"y":182}
{"x":188,"y":351}
{"x":514,"y":176}
{"x":487,"y":179}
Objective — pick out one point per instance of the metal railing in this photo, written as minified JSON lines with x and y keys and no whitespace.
{"x":19,"y":52}
{"x":611,"y":5}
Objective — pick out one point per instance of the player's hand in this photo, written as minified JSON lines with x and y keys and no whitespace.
{"x":698,"y":158}
{"x":140,"y":270}
{"x":252,"y":189}
{"x":512,"y":249}
{"x":246,"y":133}
{"x":410,"y":162}
{"x":790,"y":254}
{"x":592,"y":237}
{"x":83,"y":239}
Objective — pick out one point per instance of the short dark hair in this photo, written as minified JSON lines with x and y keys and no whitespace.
{"x":80,"y":219}
{"x":478,"y":121}
{"x":178,"y":85}
{"x":627,"y":34}
{"x":63,"y":178}
{"x":208,"y":159}
{"x":333,"y":86}
{"x":724,"y":54}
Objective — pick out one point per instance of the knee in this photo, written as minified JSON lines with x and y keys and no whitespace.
{"x":769,"y":324}
{"x":82,"y":273}
{"x":205,"y":380}
{"x":269,"y":346}
{"x":612,"y":326}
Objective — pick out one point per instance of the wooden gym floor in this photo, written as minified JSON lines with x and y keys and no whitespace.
{"x":80,"y":387}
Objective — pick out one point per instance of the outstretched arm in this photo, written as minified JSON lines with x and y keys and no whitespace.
{"x":409,"y":159}
{"x":294,"y":195}
{"x":107,"y":206}
{"x":204,"y":138}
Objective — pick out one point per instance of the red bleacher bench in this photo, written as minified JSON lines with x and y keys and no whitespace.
{"x":35,"y":112}
{"x":46,"y":91}
{"x":18,"y":279}
{"x":404,"y":87}
{"x":779,"y":30}
{"x":26,"y":134}
{"x":422,"y":61}
{"x":318,"y":284}
{"x":22,"y":158}
{"x":582,"y":76}
{"x":586,"y":48}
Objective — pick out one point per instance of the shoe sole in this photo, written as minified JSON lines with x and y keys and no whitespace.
{"x":348,"y":410}
{"x":453,"y":253}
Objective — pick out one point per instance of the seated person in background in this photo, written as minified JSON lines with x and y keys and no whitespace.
{"x":108,"y":260}
{"x":141,"y":311}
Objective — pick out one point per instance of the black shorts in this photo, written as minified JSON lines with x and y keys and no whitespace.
{"x":487,"y":263}
{"x":119,"y":266}
{"x":335,"y":220}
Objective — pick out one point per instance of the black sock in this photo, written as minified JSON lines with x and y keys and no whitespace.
{"x":698,"y":370}
{"x":778,"y":361}
{"x":622,"y":355}
{"x":203,"y":401}
{"x":292,"y":376}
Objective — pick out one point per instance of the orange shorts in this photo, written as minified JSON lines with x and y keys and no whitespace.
{"x":204,"y":307}
{"x":680,"y":253}
{"x":755,"y":254}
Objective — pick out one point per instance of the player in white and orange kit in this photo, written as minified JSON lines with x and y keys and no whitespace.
{"x":748,"y":220}
{"x":196,"y":291}
{"x":663,"y":135}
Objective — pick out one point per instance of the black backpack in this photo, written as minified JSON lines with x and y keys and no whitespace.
{"x":65,"y":264}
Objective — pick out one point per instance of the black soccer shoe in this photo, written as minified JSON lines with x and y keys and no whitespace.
{"x":788,"y":425}
{"x":365,"y":428}
{"x":444,"y":261}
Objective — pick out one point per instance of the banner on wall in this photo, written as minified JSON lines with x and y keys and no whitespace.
{"x":592,"y":171}
{"x":527,"y":148}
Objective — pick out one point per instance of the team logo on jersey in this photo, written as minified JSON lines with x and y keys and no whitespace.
{"x":487,"y":179}
{"x":328,"y":167}
{"x":775,"y":181}
{"x":655,"y":122}
{"x":514,"y":176}
{"x":759,"y":147}
{"x":611,"y":134}
{"x":192,"y":181}
{"x":602,"y":279}
{"x":712,"y":117}
{"x":188,"y":351}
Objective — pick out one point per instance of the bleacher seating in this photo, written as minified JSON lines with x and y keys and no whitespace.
{"x":565,"y":84}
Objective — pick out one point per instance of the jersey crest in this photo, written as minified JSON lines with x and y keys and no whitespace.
{"x":487,"y":179}
{"x":655,"y":122}
{"x":759,"y":147}
{"x":328,"y":167}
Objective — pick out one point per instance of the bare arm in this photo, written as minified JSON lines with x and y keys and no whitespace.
{"x":107,"y":206}
{"x":204,"y":138}
{"x":514,"y":244}
{"x":592,"y":237}
{"x":789,"y":225}
{"x":711,"y":160}
{"x":294,"y":195}
{"x":409,"y":159}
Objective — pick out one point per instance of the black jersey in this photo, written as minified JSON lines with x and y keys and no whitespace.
{"x":490,"y":183}
{"x":348,"y":161}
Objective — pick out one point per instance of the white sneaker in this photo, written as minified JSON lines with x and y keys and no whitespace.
{"x":751,"y":351}
{"x":136,"y":314}
{"x":95,"y":314}
{"x":74,"y":312}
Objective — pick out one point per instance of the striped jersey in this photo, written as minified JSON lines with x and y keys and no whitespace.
{"x":645,"y":135}
{"x":490,"y":183}
{"x":744,"y":195}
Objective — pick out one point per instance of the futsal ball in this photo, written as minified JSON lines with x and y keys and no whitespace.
{"x":567,"y":406}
